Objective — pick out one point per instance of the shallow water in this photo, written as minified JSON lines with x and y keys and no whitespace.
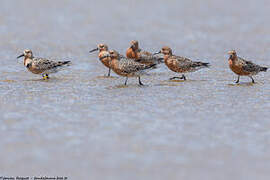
{"x":82,"y":125}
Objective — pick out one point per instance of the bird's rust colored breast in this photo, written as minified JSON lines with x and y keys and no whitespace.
{"x":131,"y":54}
{"x":237,"y":68}
{"x":115,"y":67}
{"x":106,"y":60}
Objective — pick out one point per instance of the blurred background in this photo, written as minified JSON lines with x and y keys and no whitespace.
{"x":84,"y":126}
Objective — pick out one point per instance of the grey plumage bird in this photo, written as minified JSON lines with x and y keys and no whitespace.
{"x":128,"y":67}
{"x":41,"y":65}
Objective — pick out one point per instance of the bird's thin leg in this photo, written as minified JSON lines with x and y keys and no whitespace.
{"x":109,"y":73}
{"x":140,"y":81}
{"x":126,"y":81}
{"x":183,"y":77}
{"x":237,"y":79}
{"x":252,"y":79}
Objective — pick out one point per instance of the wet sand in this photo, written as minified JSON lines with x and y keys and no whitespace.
{"x":83,"y":125}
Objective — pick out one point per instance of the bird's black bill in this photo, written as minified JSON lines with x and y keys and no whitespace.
{"x":93,"y":50}
{"x":159,"y":52}
{"x":20,"y":56}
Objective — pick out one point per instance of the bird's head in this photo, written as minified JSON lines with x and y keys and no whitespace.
{"x":114,"y":54}
{"x":232,"y":54}
{"x":100,"y":47}
{"x":26,"y":53}
{"x":165,"y":50}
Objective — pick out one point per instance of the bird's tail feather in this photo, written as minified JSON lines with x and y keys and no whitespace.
{"x":151,"y":66}
{"x":61,"y":63}
{"x":206,"y":64}
{"x":263,"y":69}
{"x":201,"y":64}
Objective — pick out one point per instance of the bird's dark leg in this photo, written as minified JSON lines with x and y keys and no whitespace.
{"x":252,"y":79}
{"x":140,"y":81}
{"x":237,"y":79}
{"x":183,"y":77}
{"x":109,"y":73}
{"x":126,"y":81}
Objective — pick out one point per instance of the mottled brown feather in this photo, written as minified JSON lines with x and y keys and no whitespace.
{"x":243,"y":67}
{"x":127,"y":67}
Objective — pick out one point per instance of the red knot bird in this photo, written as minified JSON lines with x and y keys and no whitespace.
{"x":180,"y":64}
{"x":103,"y":55}
{"x":241,"y":67}
{"x":41,"y":65}
{"x":128,"y":67}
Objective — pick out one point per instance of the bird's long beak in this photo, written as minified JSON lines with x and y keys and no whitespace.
{"x":20,"y":56}
{"x":93,"y":50}
{"x":159,"y":52}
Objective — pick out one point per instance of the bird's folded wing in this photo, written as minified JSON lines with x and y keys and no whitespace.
{"x":182,"y":61}
{"x":249,"y":66}
{"x":149,"y":57}
{"x":44,"y":64}
{"x":145,"y":57}
{"x":130,"y":66}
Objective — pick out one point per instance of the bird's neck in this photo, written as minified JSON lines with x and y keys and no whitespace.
{"x":131,"y":53}
{"x":27,"y":60}
{"x":114,"y":63}
{"x":167,"y":56}
{"x":102,"y":53}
